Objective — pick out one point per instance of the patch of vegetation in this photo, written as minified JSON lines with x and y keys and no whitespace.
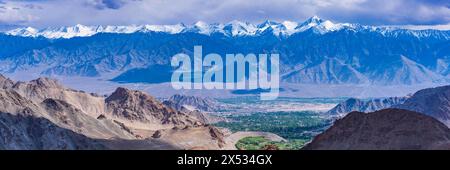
{"x":289,"y":125}
{"x":261,"y":143}
{"x":297,"y":127}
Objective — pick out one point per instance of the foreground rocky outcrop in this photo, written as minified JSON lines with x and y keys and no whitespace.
{"x":434,"y":102}
{"x":42,"y":114}
{"x":137,"y":107}
{"x":371,"y":105}
{"x":384,"y":129}
{"x":27,"y":132}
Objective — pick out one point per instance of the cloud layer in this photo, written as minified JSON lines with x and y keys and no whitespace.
{"x":44,"y":13}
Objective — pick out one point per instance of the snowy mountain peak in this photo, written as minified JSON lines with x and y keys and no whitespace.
{"x":327,"y":26}
{"x":238,"y":28}
{"x":284,"y":28}
{"x":313,"y":21}
{"x":171,"y":29}
{"x":27,"y":31}
{"x":65,"y":32}
{"x":201,"y":24}
{"x":290,"y":25}
{"x":204,"y":28}
{"x":320,"y":25}
{"x":268,"y":23}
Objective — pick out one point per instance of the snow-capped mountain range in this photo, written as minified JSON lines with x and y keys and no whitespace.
{"x":316,"y":51}
{"x":233,"y":28}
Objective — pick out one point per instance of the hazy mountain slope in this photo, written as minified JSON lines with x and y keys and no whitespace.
{"x":385,"y":129}
{"x":329,"y":71}
{"x":404,"y":71}
{"x":370,"y":105}
{"x":434,"y":102}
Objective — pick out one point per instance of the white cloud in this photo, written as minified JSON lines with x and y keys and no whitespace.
{"x":122,"y":12}
{"x":423,"y":27}
{"x":12,"y":13}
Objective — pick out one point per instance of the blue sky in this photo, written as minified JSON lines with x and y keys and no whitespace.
{"x":45,"y":13}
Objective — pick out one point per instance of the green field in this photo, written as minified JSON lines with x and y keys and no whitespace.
{"x":297,"y":127}
{"x":259,"y":143}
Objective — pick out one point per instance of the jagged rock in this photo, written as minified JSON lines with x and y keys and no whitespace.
{"x":101,"y":117}
{"x":5,"y":82}
{"x":216,"y":134}
{"x":123,"y":126}
{"x":157,"y":134}
{"x":136,"y":106}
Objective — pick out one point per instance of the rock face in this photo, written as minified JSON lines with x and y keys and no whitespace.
{"x":434,"y":102}
{"x":5,"y":82}
{"x":359,"y":105}
{"x":42,"y":114}
{"x":197,"y":107}
{"x":136,"y":106}
{"x":202,"y":104}
{"x":69,"y":116}
{"x":384,"y":129}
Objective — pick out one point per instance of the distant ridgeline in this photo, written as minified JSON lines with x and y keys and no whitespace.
{"x":313,"y":52}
